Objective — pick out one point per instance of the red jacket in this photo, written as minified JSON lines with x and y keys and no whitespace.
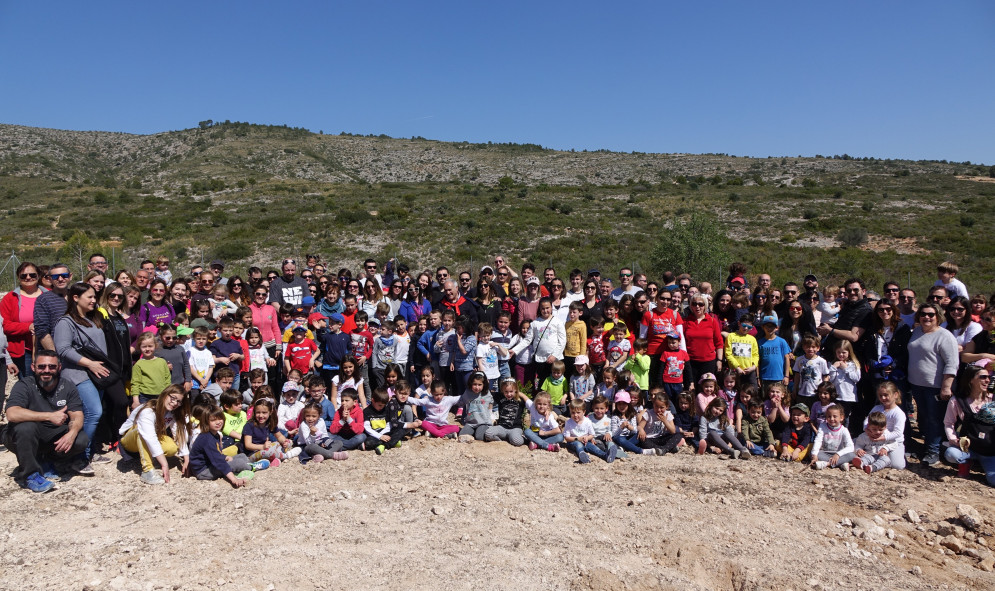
{"x":18,"y":333}
{"x":354,"y":428}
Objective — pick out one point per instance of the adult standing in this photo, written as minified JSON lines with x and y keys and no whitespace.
{"x":933,"y":362}
{"x":80,"y":329}
{"x":267,"y":319}
{"x":372,"y":296}
{"x":238,"y":291}
{"x":983,"y":345}
{"x":959,"y":321}
{"x":528,"y":304}
{"x":415,"y":305}
{"x":488,"y":304}
{"x":142,"y":278}
{"x":796,"y":322}
{"x":395,"y":296}
{"x":548,"y":338}
{"x":509,"y":303}
{"x":853,"y":322}
{"x":561,"y":305}
{"x":461,"y":307}
{"x":703,"y":335}
{"x":117,"y":335}
{"x":655,"y":325}
{"x":218,"y":270}
{"x":18,"y":311}
{"x":157,"y":310}
{"x":724,"y":311}
{"x":592,"y":305}
{"x":45,"y":414}
{"x":625,"y":286}
{"x":51,"y":305}
{"x":287,"y":288}
{"x":129,"y":311}
{"x":370,"y":272}
{"x":179,"y":296}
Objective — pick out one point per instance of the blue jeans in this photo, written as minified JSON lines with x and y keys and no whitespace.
{"x":92,"y":410}
{"x":930,"y":414}
{"x":957,"y":456}
{"x":629,"y":442}
{"x":352,"y":443}
{"x":543,"y":441}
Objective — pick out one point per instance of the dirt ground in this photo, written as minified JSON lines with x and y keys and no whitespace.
{"x":489,"y":516}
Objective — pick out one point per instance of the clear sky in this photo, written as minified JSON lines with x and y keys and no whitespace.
{"x":894,"y":79}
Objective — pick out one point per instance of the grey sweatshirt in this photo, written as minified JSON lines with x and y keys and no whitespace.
{"x":69,"y":337}
{"x":931,"y":356}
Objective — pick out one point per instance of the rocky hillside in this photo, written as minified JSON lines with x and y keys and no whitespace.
{"x":233,"y":151}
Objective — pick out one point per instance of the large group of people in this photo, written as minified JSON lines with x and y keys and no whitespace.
{"x":234,"y":374}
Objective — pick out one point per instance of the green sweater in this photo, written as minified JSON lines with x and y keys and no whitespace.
{"x":150,"y":377}
{"x":758,"y":432}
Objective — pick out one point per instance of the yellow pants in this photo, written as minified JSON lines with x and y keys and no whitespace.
{"x":134,"y":443}
{"x":787,"y":448}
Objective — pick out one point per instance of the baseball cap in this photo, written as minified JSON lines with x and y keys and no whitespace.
{"x":336,"y":319}
{"x":673,"y":335}
{"x":533,"y":281}
{"x":580,"y":360}
{"x":737,"y":281}
{"x":300,"y":328}
{"x":623,"y":396}
{"x":315,"y":317}
{"x":593,"y":272}
{"x":768,"y":320}
{"x":218,"y":263}
{"x":811,"y":277}
{"x":299,"y":311}
{"x":800,"y":406}
{"x":183,"y":331}
{"x":487,"y":269}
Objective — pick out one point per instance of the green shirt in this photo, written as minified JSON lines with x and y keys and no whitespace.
{"x":150,"y":377}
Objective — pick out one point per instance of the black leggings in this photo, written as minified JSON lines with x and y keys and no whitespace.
{"x":116,"y":405}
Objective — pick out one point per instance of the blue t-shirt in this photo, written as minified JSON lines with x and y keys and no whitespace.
{"x":461,"y":361}
{"x":259,"y":434}
{"x":772,"y":354}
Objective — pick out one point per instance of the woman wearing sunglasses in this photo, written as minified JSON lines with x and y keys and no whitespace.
{"x":18,"y":311}
{"x":933,"y":361}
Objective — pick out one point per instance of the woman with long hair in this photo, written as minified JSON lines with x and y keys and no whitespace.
{"x":18,"y":311}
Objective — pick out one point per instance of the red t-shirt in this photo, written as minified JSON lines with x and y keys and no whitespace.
{"x":673,"y":363}
{"x":658,"y":324}
{"x":300,"y":354}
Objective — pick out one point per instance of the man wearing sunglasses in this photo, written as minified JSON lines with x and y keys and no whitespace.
{"x":52,"y":305}
{"x":370,"y":270}
{"x":625,"y":285}
{"x":45,"y":417}
{"x":854,"y":321}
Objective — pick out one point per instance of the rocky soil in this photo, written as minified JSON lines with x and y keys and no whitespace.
{"x":487,"y":516}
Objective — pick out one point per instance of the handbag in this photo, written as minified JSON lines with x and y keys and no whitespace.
{"x":92,"y":352}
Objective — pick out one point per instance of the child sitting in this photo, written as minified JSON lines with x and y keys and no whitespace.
{"x":377,"y":423}
{"x":833,"y":446}
{"x":685,"y":420}
{"x":756,"y":433}
{"x":796,"y":439}
{"x":479,"y":405}
{"x":715,"y":428}
{"x":602,"y":423}
{"x":544,"y":431}
{"x":347,"y":424}
{"x":436,"y":409}
{"x":289,"y":410}
{"x":511,"y":405}
{"x":657,"y":432}
{"x":578,"y":434}
{"x":263,"y":440}
{"x":206,"y":460}
{"x":313,"y":436}
{"x":872,"y":447}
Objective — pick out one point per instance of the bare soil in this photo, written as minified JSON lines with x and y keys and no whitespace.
{"x":488,"y":516}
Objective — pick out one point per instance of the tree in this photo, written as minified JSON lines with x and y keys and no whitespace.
{"x":205,"y":124}
{"x":696,"y":245}
{"x":77,"y":249}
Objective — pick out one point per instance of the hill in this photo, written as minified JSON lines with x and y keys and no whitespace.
{"x":252,"y":193}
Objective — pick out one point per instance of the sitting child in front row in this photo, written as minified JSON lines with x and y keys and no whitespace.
{"x":263,"y":439}
{"x":756,"y":433}
{"x":715,"y":428}
{"x":510,"y":406}
{"x":436,"y":409}
{"x":579,"y":436}
{"x":657,"y":432}
{"x":206,"y":460}
{"x":544,"y":430}
{"x":872,"y":446}
{"x":833,"y":446}
{"x":313,"y":437}
{"x":796,"y":439}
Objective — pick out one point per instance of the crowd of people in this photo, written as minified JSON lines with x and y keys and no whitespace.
{"x":233,"y":375}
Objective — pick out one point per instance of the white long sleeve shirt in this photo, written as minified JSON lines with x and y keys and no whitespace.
{"x":144,"y":419}
{"x":547,"y":336}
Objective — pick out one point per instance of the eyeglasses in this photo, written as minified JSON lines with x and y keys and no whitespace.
{"x":46,"y":366}
{"x":29,"y":275}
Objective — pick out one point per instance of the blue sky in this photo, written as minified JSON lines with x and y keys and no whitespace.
{"x":885,"y":79}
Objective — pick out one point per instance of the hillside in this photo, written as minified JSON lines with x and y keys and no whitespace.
{"x":238,"y":191}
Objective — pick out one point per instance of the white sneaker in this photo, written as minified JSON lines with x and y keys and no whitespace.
{"x":820,"y":465}
{"x":293,"y":452}
{"x":152,"y":477}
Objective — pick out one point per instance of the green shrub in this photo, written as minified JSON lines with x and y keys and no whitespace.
{"x":852,"y":236}
{"x":231,"y":250}
{"x":697,"y":246}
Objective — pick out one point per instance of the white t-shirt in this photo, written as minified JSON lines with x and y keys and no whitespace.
{"x":487,"y":360}
{"x":201,"y":360}
{"x":540,"y":422}
{"x":812,"y":372}
{"x":574,"y":429}
{"x":654,"y":425}
{"x":602,"y":426}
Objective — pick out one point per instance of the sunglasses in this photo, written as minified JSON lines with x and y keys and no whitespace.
{"x":196,"y":273}
{"x":700,"y":305}
{"x":892,"y":289}
{"x":795,"y":308}
{"x":853,"y":290}
{"x":927,"y":315}
{"x":625,"y":274}
{"x":56,"y":276}
{"x":261,"y":293}
{"x":29,"y":275}
{"x":47,"y":366}
{"x":984,"y":378}
{"x":958,"y":309}
{"x":115,"y":296}
{"x":666,"y":299}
